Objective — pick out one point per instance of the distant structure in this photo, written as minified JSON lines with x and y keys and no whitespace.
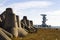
{"x":44,"y":21}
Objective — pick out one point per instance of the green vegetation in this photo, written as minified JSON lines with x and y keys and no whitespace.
{"x":42,"y":34}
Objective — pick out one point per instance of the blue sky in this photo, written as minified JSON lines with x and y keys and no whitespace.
{"x":33,"y":8}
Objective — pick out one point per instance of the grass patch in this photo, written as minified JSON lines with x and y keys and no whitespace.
{"x":42,"y":34}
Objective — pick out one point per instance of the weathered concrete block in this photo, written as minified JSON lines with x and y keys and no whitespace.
{"x":24,"y":22}
{"x":22,"y":32}
{"x":18,"y":21}
{"x":3,"y":36}
{"x":31,"y":24}
{"x":9,"y":10}
{"x":0,"y":22}
{"x":10,"y":22}
{"x":7,"y":33}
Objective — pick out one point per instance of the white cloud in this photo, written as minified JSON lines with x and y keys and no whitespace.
{"x":25,"y":5}
{"x":30,"y":4}
{"x":19,"y":8}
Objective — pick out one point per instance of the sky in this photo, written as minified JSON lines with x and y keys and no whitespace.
{"x":33,"y":8}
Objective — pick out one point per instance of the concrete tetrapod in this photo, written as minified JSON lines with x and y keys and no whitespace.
{"x":22,"y":32}
{"x":3,"y":36}
{"x":7,"y":33}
